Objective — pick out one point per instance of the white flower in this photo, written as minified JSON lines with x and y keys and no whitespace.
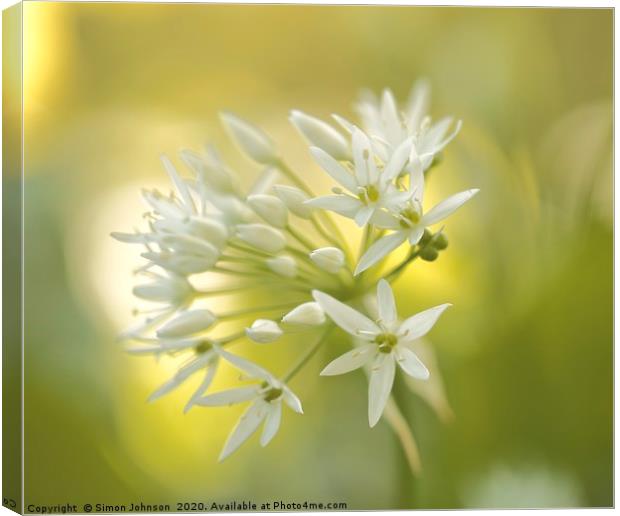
{"x":254,"y":142}
{"x":211,"y":170}
{"x":187,"y":323}
{"x":330,"y":259}
{"x":271,"y":209}
{"x":307,"y":314}
{"x":262,"y":237}
{"x":321,"y":135}
{"x":283,"y":265}
{"x":206,"y":358}
{"x":294,"y":198}
{"x":369,"y":187}
{"x":171,"y":289}
{"x":387,"y":343}
{"x":408,"y":223}
{"x":388,"y":125}
{"x":264,"y":331}
{"x":266,"y":404}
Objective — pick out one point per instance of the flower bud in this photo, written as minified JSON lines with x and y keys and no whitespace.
{"x":264,"y":331}
{"x":321,"y":134}
{"x":271,"y":209}
{"x":440,"y":241}
{"x":252,"y":140}
{"x":330,"y":259}
{"x":429,"y":254}
{"x":310,"y":314}
{"x":169,"y":289}
{"x":294,"y":199}
{"x":283,"y":265}
{"x":190,"y":245}
{"x":183,"y":264}
{"x":262,"y":237}
{"x":187,"y":323}
{"x":211,"y":230}
{"x":164,"y":206}
{"x":426,"y":238}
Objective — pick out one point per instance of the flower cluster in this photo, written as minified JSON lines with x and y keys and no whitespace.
{"x":280,"y":241}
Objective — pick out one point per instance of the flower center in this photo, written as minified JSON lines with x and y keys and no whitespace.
{"x":409,"y":217}
{"x":386,"y":341}
{"x":203,"y":347}
{"x":272,"y":394}
{"x":368,"y":194}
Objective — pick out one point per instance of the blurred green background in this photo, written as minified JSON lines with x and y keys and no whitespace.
{"x":526,"y":352}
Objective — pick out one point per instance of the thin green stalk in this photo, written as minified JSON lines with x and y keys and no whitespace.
{"x":256,"y":310}
{"x":308,"y":355}
{"x":301,"y":239}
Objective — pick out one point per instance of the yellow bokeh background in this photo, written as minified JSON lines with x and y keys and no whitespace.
{"x":526,"y":351}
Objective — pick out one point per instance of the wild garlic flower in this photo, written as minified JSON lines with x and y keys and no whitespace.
{"x":266,"y":397}
{"x":387,"y":343}
{"x":269,"y":264}
{"x":389,"y":125}
{"x":370,"y":185}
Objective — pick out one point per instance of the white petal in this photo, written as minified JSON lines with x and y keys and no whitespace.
{"x":416,"y":186}
{"x":334,"y":169}
{"x":229,"y":397}
{"x":347,"y":318}
{"x":390,"y":116}
{"x":362,"y":158}
{"x":272,"y":423}
{"x":204,"y":385}
{"x":180,"y":185}
{"x":292,"y":400}
{"x":420,"y":324}
{"x":351,"y":360}
{"x":364,"y":214}
{"x":344,"y":123}
{"x":379,"y":250}
{"x":342,"y":204}
{"x":398,"y":161}
{"x":246,"y":366}
{"x":417,"y":105}
{"x":247,"y":425}
{"x":386,"y":303}
{"x":167,"y":387}
{"x":380,"y":386}
{"x":415,"y":234}
{"x":129,"y":238}
{"x":447,"y":206}
{"x":264,"y":181}
{"x":410,"y":363}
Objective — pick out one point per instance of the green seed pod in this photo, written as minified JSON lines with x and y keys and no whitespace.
{"x":426,"y":238}
{"x":429,"y":254}
{"x":440,"y":241}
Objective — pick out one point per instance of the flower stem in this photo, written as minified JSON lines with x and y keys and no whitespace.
{"x":308,"y":355}
{"x":255,"y":310}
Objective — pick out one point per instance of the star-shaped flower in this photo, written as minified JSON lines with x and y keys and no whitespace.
{"x":388,"y":342}
{"x":369,"y":187}
{"x":408,"y":221}
{"x":266,"y":397}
